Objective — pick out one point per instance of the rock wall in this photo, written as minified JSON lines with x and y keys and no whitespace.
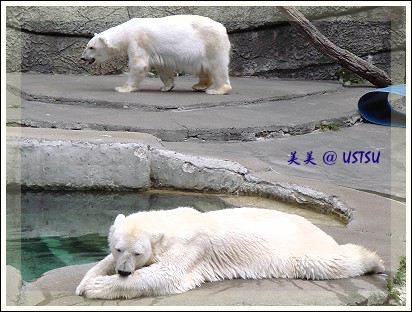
{"x":50,"y":39}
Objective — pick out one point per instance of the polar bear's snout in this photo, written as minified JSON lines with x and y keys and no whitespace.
{"x":125,"y":268}
{"x":86,"y":58}
{"x":125,"y":264}
{"x":91,"y":61}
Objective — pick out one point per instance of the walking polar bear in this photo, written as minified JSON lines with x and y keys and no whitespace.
{"x":169,"y":252}
{"x":190,"y":43}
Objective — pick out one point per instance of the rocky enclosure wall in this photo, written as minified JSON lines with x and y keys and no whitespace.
{"x":47,"y":39}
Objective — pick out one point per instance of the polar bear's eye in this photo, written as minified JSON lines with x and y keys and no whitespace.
{"x":118,"y":250}
{"x":137,"y":254}
{"x":91,"y":48}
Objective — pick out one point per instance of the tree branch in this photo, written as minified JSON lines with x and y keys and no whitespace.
{"x":341,"y":56}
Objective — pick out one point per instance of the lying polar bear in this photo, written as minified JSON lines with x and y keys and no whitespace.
{"x":169,"y":252}
{"x":190,"y":43}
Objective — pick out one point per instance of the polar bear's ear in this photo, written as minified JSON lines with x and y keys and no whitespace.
{"x":157,"y":238}
{"x":106,"y":42}
{"x":119,"y":218}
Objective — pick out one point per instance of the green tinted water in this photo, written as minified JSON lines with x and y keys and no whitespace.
{"x":47,"y":230}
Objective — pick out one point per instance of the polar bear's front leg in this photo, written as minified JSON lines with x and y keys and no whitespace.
{"x":103,"y":268}
{"x":112,"y":287}
{"x":135,"y":76}
{"x":139,"y":66}
{"x":154,"y":280}
{"x":177,"y":272}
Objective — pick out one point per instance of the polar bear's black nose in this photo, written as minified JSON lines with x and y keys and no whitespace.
{"x":91,"y":61}
{"x":124,"y":273}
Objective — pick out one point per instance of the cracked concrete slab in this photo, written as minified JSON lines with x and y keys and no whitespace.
{"x":387,"y":176}
{"x":98,"y":91}
{"x":257,"y":108}
{"x":269,"y":292}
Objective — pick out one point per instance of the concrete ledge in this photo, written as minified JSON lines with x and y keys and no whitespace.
{"x":39,"y":160}
{"x":257,"y":109}
{"x":230,"y":293}
{"x":13,"y":286}
{"x":59,"y":159}
{"x":61,"y":164}
{"x":171,"y":169}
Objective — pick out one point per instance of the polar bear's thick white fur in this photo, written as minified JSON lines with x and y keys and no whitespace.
{"x":169,"y":252}
{"x":190,"y":43}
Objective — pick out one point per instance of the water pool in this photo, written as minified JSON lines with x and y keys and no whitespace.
{"x":47,"y":230}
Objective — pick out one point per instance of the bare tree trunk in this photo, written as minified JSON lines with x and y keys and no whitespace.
{"x":341,"y":56}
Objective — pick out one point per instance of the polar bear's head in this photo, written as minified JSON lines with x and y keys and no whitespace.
{"x":131,"y":247}
{"x":100,"y":49}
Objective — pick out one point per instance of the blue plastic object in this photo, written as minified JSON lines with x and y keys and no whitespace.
{"x":375,"y":107}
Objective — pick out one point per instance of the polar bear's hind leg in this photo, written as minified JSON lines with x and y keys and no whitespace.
{"x":166,"y":74}
{"x":346,"y":261}
{"x":205,"y":81}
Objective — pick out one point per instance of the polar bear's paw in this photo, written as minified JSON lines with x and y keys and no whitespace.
{"x":126,"y":89}
{"x":101,"y":287}
{"x":202,"y":86}
{"x":80,"y":290}
{"x":225,"y":89}
{"x":167,"y":88}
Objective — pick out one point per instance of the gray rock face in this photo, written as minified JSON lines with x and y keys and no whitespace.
{"x":277,"y":53}
{"x":51,"y":39}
